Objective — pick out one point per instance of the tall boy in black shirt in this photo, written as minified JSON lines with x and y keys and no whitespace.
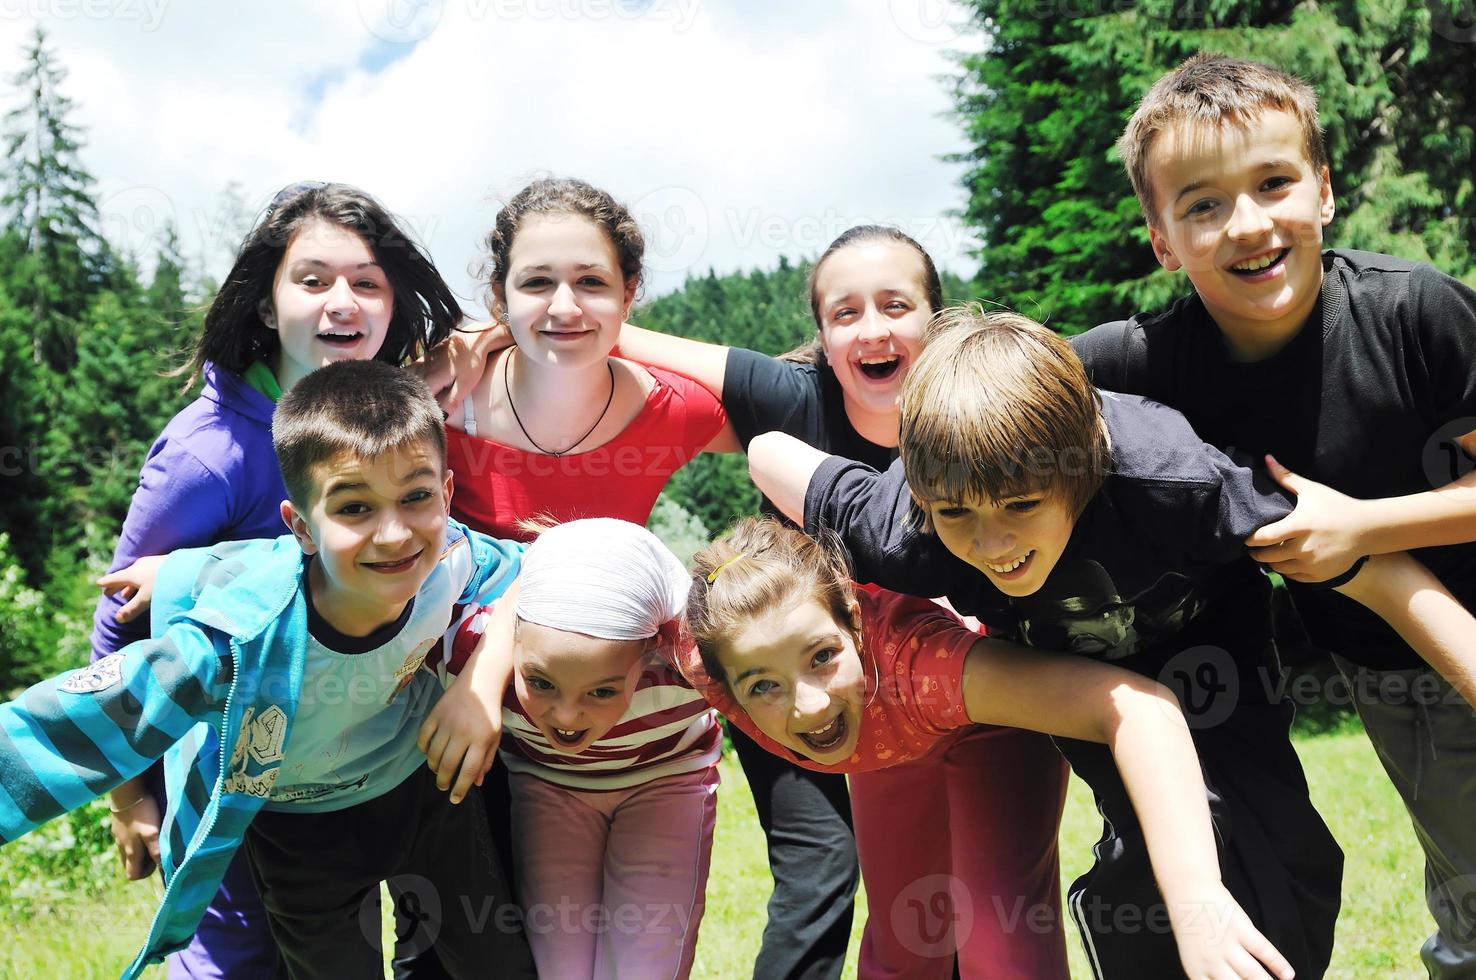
{"x":1106,"y":528}
{"x":1355,"y":369}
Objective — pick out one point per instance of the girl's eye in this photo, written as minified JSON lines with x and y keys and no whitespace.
{"x":592,"y":282}
{"x":898,"y":306}
{"x":538,"y":684}
{"x":761,"y":688}
{"x":367,"y":284}
{"x":1276,"y":183}
{"x":1199,"y":208}
{"x":311,"y":281}
{"x":602,"y":693}
{"x":823,"y":657}
{"x":537,"y":282}
{"x":843,"y":314}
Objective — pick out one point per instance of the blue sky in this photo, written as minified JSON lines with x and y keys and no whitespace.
{"x":736,"y":131}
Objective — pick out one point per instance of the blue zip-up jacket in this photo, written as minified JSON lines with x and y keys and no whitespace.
{"x":225,"y":669}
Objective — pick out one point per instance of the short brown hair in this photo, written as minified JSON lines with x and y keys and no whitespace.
{"x":997,"y":406}
{"x":361,"y":408}
{"x":1213,"y":89}
{"x":759,"y":565}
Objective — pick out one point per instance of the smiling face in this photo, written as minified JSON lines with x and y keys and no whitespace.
{"x":331,"y":301}
{"x":798,"y":674}
{"x":1241,"y":210}
{"x":873,"y":307}
{"x":1015,"y":543}
{"x":564,"y":293}
{"x":574,"y":687}
{"x":376,"y":528}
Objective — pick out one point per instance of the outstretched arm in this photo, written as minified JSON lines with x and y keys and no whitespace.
{"x":781,"y":466}
{"x":1408,"y":596}
{"x":1140,"y":720}
{"x":80,"y":734}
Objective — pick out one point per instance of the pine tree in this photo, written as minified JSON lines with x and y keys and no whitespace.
{"x":48,"y":203}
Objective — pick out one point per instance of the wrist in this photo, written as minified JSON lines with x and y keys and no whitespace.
{"x":117,"y":807}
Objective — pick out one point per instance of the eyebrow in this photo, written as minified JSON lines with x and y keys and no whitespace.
{"x":814,"y":642}
{"x":346,"y":486}
{"x":320,"y":264}
{"x":581,"y":267}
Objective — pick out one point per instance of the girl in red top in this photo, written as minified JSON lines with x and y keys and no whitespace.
{"x":557,"y":426}
{"x":842,"y":681}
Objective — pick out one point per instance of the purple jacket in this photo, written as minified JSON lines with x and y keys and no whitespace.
{"x":211,"y":476}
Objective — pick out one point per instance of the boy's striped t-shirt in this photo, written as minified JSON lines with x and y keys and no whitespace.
{"x":669,"y":729}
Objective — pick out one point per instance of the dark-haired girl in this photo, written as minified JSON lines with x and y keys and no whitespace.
{"x":871,"y":293}
{"x":327,"y":274}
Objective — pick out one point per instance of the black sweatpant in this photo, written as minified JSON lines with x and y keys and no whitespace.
{"x":1277,"y":857}
{"x":319,"y":875}
{"x":806,"y":818}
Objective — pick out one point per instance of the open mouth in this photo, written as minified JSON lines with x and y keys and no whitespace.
{"x":567,"y":738}
{"x":393,"y":567}
{"x":1261,"y":264}
{"x":827,"y":738}
{"x":340,"y":338}
{"x":880,"y":368}
{"x":1013,"y":568}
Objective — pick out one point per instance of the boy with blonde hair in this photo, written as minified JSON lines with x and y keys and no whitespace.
{"x":1353,"y":369}
{"x":1088,"y":522}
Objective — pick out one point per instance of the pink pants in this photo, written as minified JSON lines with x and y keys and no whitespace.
{"x":612,"y":882}
{"x":958,"y":852}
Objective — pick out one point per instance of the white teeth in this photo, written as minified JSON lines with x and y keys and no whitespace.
{"x":821,"y":731}
{"x":566,"y":734}
{"x":887,"y":359}
{"x":1256,"y":265}
{"x":1009,"y":567}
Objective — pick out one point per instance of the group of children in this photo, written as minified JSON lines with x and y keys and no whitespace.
{"x":328,"y":704}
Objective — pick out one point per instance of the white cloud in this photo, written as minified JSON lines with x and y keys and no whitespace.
{"x":737,"y":132}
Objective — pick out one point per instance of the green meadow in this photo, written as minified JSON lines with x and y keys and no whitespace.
{"x":69,"y":913}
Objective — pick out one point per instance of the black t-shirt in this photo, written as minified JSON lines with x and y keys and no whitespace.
{"x":763,"y":394}
{"x":1366,"y":402}
{"x":1144,"y":573}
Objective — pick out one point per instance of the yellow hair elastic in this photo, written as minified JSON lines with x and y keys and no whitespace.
{"x":712,"y":575}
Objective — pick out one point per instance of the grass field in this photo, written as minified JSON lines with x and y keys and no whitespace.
{"x":94,"y":931}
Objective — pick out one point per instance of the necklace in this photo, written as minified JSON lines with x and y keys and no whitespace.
{"x":507,"y":388}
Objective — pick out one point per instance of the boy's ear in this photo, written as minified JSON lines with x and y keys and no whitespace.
{"x":446,"y":491}
{"x":300,"y":528}
{"x":268,"y":315}
{"x":1161,"y":250}
{"x":1328,"y":205}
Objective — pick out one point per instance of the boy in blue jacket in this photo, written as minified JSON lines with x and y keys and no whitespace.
{"x":285,"y":687}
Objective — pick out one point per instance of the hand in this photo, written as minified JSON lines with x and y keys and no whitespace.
{"x":136,"y":584}
{"x":1319,"y":540}
{"x":454,"y":367}
{"x":1217,"y":939}
{"x":460,"y":737}
{"x":135,"y":825}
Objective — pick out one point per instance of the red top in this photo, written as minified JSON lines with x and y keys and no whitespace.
{"x":913,"y":653}
{"x":497,"y":485}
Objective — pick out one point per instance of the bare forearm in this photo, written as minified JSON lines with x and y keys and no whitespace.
{"x":1408,"y":596}
{"x":781,"y":467}
{"x":704,"y":363}
{"x":1423,"y":520}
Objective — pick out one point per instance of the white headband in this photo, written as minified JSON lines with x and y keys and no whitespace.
{"x":602,"y":577}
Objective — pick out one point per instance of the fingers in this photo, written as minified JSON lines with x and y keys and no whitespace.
{"x":1261,"y":948}
{"x":1282,"y":475}
{"x":470,"y":772}
{"x":434,"y":753}
{"x":117,"y":582}
{"x":131,"y":609}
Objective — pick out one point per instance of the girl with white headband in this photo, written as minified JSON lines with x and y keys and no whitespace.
{"x":613,"y":757}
